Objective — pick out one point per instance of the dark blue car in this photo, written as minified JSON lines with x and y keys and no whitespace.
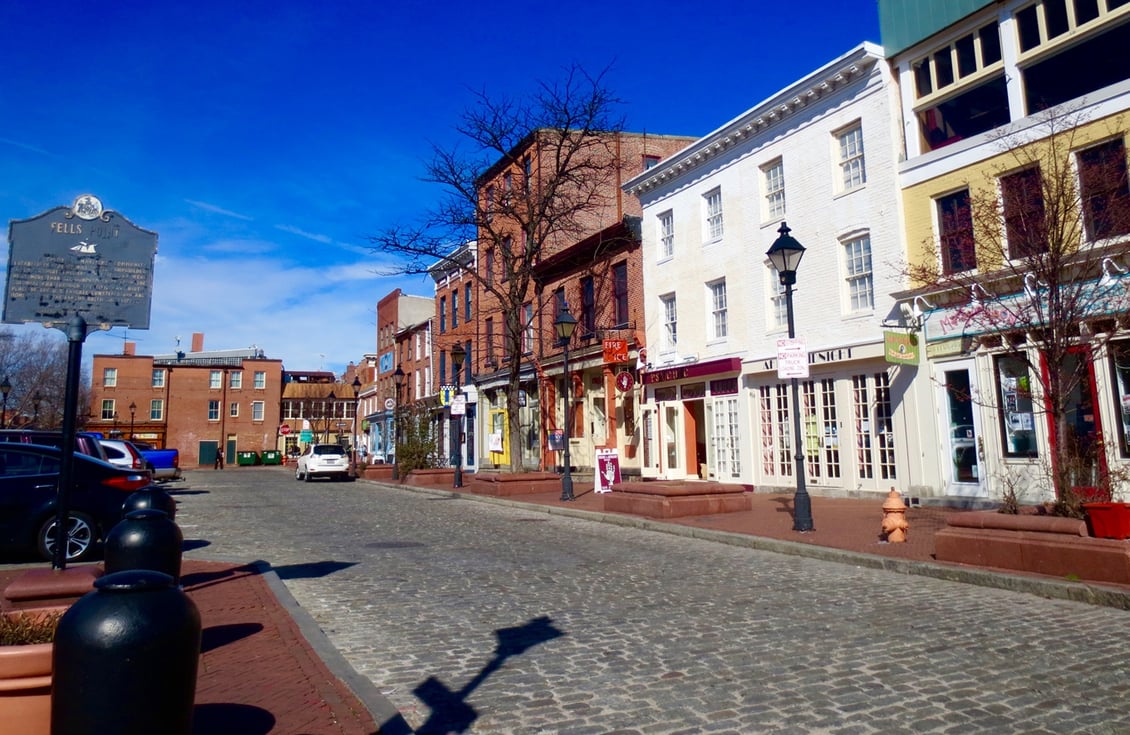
{"x":29,"y":476}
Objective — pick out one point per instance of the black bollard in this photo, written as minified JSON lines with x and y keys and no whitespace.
{"x":145,"y":539}
{"x":151,"y":497}
{"x":125,"y":659}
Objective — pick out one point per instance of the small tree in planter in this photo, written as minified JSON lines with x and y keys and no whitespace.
{"x":418,"y":445}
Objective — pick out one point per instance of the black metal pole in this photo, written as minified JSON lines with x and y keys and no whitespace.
{"x":802,"y":503}
{"x":395,"y":435}
{"x":456,"y":429}
{"x":76,"y":335}
{"x":567,"y":478}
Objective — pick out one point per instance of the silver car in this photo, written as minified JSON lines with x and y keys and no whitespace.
{"x":323,"y":460}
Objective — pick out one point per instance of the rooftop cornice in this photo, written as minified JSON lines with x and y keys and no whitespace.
{"x":758,"y":120}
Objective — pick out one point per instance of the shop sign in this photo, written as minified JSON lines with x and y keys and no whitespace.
{"x":624,"y":381}
{"x":615,"y":350}
{"x":607,"y":470}
{"x":693,"y":370}
{"x":900,"y":348}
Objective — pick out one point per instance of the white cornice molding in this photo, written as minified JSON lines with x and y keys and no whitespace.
{"x":758,"y":120}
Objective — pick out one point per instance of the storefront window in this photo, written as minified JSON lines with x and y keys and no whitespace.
{"x":1015,"y":413}
{"x":1120,"y":369}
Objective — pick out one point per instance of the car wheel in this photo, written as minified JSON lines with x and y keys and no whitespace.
{"x":297,"y":474}
{"x":81,"y":535}
{"x":307,"y":477}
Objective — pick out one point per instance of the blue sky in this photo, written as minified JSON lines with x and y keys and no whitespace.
{"x":263,"y":141}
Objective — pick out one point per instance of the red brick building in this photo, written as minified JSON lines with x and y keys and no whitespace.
{"x":594,"y":266}
{"x":200,"y":402}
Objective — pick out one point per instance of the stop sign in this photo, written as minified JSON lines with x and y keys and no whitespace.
{"x":284,"y":429}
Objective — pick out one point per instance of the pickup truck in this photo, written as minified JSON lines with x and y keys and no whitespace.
{"x":163,"y":463}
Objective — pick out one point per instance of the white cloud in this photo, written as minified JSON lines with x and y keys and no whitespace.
{"x":219,"y":210}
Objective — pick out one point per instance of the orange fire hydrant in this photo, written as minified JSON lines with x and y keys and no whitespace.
{"x":894,"y":518}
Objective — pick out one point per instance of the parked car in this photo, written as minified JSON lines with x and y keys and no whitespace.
{"x":124,"y":454}
{"x":87,"y":442}
{"x":163,"y":463}
{"x":322,"y":460}
{"x":29,"y":477}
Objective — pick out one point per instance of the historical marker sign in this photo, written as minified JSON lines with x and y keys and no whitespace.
{"x":80,"y":260}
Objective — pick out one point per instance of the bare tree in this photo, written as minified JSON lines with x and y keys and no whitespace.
{"x":1023,"y":262}
{"x":527,"y":178}
{"x":35,"y":365}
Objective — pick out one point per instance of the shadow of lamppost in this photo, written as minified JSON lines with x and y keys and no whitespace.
{"x":564,"y":326}
{"x":398,"y":381}
{"x":785,"y":255}
{"x":458,"y":355}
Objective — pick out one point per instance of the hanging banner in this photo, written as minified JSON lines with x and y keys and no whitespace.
{"x":607,"y":470}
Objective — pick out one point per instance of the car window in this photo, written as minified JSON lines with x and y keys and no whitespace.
{"x":15,"y":464}
{"x":113,"y":452}
{"x":327,"y":449}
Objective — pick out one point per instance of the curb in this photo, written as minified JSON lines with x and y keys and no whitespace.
{"x":1088,"y":593}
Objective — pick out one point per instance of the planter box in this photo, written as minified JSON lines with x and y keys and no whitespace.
{"x":432,"y":478}
{"x":505,"y":484}
{"x":1108,"y":520}
{"x":677,"y":499}
{"x":378,"y":472}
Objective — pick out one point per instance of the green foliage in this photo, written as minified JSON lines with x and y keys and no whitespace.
{"x":27,"y":628}
{"x":416,"y":446}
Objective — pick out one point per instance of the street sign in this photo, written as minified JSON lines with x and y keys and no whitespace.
{"x":390,"y":403}
{"x":792,"y":358}
{"x":284,"y":429}
{"x":459,"y":405}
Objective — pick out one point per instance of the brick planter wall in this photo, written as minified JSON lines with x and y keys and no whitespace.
{"x":504,"y":484}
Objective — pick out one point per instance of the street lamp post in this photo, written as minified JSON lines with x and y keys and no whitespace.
{"x":356,"y":422}
{"x":785,"y":255}
{"x":458,"y":354}
{"x":5,"y":389}
{"x":132,"y":410}
{"x":564,"y":325}
{"x":398,"y":380}
{"x":36,"y":399}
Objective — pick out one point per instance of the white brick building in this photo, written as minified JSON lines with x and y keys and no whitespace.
{"x":821,"y":155}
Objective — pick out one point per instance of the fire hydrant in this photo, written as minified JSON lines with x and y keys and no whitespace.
{"x":894,"y":518}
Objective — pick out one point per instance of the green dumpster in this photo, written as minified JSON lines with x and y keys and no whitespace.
{"x":244,"y":459}
{"x":272,"y":456}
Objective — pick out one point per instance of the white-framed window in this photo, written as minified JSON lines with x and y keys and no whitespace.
{"x":712,"y":200}
{"x":233,"y":410}
{"x":213,"y":410}
{"x":156,"y":409}
{"x":260,"y":379}
{"x":778,"y":312}
{"x":670,"y":322}
{"x":235,"y":380}
{"x":527,"y":327}
{"x":109,"y":377}
{"x":666,"y":234}
{"x":108,"y":409}
{"x":718,"y":324}
{"x":859,"y":276}
{"x":257,"y":410}
{"x":773,"y":179}
{"x":216,"y":379}
{"x":852,"y":171}
{"x":158,"y":378}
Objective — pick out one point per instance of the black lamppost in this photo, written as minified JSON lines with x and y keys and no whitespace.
{"x":564,"y":325}
{"x":398,"y":379}
{"x":5,"y":389}
{"x":356,"y":410}
{"x":36,"y":399}
{"x":785,"y":256}
{"x":132,"y":411}
{"x":458,"y":355}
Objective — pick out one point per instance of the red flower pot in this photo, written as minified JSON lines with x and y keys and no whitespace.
{"x":1108,"y":520}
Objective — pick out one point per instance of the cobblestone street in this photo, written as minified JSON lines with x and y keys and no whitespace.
{"x":482,"y":618}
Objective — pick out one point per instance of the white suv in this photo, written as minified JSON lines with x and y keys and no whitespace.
{"x":323,"y":460}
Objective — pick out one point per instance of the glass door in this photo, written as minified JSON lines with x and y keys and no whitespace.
{"x":961,"y":430}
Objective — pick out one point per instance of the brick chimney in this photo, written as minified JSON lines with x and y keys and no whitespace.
{"x":129,"y":349}
{"x":197,"y":342}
